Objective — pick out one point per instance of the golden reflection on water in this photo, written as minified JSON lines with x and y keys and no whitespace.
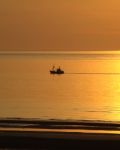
{"x":52,"y":131}
{"x":89,"y":89}
{"x":99,"y":85}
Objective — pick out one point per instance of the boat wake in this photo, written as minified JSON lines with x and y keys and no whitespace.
{"x":99,"y":73}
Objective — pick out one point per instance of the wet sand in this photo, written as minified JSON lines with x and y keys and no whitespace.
{"x":57,"y":140}
{"x":22,"y":134}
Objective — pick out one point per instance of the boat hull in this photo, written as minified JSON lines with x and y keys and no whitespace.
{"x":56,"y":72}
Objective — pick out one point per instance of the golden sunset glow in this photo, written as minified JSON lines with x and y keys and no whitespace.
{"x":59,"y":73}
{"x":59,"y":25}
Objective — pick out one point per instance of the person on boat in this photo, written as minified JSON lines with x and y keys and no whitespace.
{"x":59,"y":69}
{"x":53,"y":68}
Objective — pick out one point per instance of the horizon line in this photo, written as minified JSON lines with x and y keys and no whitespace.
{"x":60,"y":52}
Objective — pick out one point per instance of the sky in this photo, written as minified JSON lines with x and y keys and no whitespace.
{"x":59,"y":25}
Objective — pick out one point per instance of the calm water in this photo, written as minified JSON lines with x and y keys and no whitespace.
{"x":89,"y":89}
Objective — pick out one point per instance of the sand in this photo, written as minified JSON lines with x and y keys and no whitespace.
{"x":57,"y":140}
{"x":17,"y":134}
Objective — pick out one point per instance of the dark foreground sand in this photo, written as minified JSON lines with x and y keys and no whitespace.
{"x":57,"y":140}
{"x":58,"y":135}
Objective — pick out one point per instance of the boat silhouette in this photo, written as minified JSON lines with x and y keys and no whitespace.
{"x":56,"y":71}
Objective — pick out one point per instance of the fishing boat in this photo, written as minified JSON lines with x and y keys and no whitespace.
{"x":56,"y":71}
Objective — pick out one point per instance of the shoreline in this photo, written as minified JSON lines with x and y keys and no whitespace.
{"x":52,"y":134}
{"x":58,"y":124}
{"x":60,"y":135}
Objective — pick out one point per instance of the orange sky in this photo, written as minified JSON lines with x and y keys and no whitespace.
{"x":59,"y":25}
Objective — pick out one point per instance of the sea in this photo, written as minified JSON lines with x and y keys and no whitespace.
{"x":89,"y":89}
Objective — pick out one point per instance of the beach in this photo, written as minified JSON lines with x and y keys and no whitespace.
{"x":24,"y":135}
{"x":57,"y":140}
